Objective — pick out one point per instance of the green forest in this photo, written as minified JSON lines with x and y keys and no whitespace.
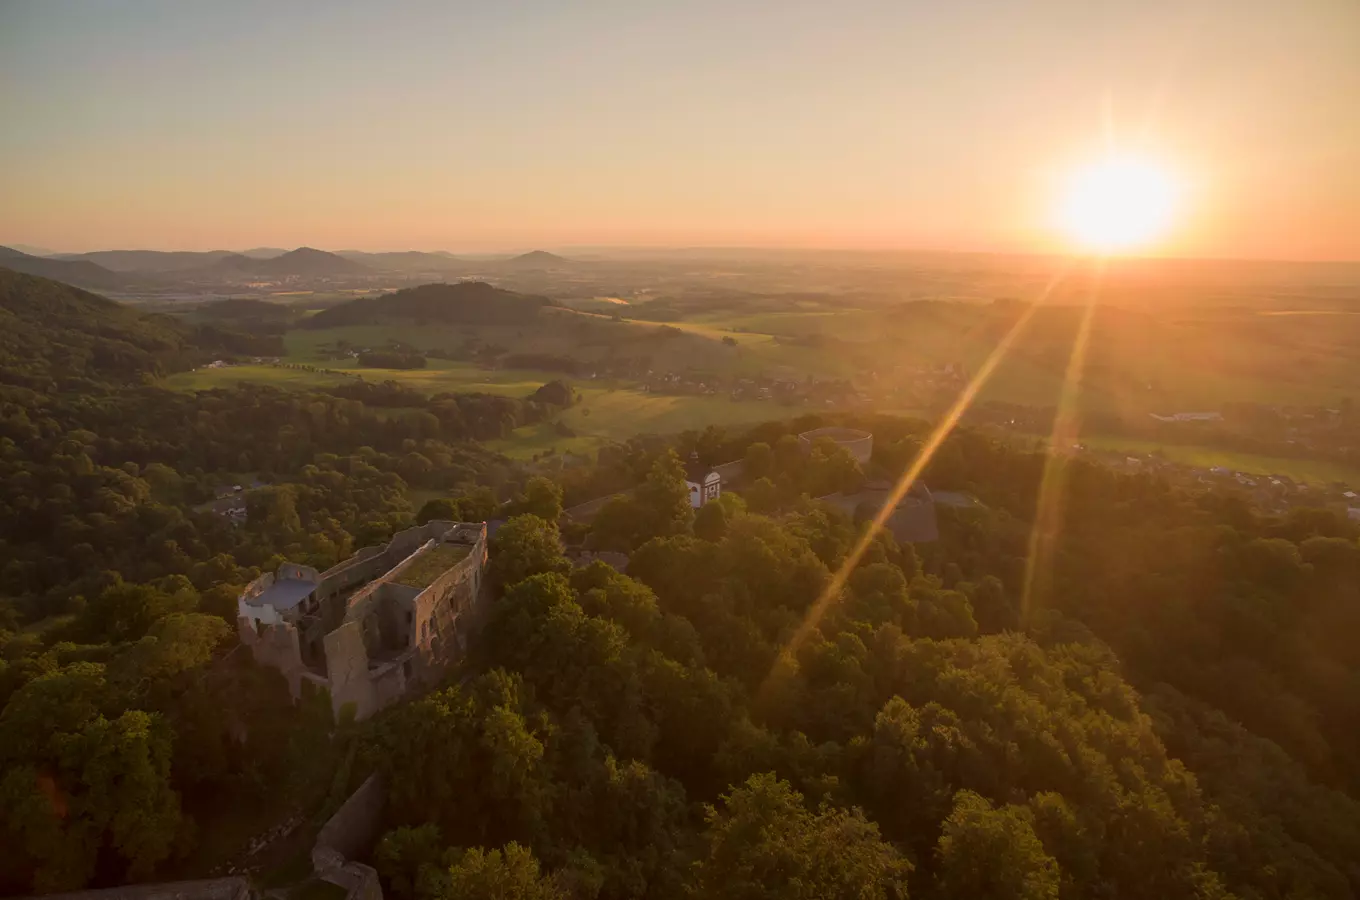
{"x":1171,"y":710}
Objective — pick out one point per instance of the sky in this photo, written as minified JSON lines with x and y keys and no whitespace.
{"x":525,"y":123}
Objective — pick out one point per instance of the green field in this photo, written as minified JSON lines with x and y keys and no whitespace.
{"x":1137,"y":363}
{"x":605,"y":415}
{"x":443,"y":375}
{"x":1307,"y":470}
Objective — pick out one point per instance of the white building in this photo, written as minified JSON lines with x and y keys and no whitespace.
{"x":1189,"y":417}
{"x":704,"y":482}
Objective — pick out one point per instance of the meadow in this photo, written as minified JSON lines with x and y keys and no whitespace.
{"x":616,"y":414}
{"x":604,"y":413}
{"x":1153,"y":358}
{"x":1311,"y":471}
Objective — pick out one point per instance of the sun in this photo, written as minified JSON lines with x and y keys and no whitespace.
{"x":1118,"y":204}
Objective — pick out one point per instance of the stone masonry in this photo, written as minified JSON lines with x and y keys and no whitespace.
{"x":370,"y":628}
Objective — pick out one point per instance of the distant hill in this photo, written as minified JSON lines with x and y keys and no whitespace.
{"x":72,"y":271}
{"x":240,"y":309}
{"x":148,"y":260}
{"x":538,"y":259}
{"x":48,"y":328}
{"x":404,"y":261}
{"x":303,"y":262}
{"x":465,"y":303}
{"x":264,"y":252}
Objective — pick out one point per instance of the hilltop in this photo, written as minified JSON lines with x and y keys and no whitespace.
{"x":148,"y":260}
{"x":304,"y":262}
{"x":73,"y":271}
{"x":243,"y":308}
{"x":50,"y":328}
{"x":404,"y":260}
{"x":464,"y":303}
{"x":538,"y":259}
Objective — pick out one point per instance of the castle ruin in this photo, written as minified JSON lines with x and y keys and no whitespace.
{"x":372,"y":627}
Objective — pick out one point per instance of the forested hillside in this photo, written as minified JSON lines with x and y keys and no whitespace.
{"x":682,"y":731}
{"x":464,"y":303}
{"x":51,"y":331}
{"x":50,"y":328}
{"x":1169,"y":710}
{"x":129,"y":728}
{"x":75,"y":271}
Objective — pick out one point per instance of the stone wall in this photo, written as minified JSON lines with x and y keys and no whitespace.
{"x":207,"y":889}
{"x":731,"y":471}
{"x":912,"y":521}
{"x":384,"y":635}
{"x":859,"y":444}
{"x":276,"y":646}
{"x":584,"y":512}
{"x":353,"y":829}
{"x":372,"y":562}
{"x":347,"y":671}
{"x":351,"y":832}
{"x":442,"y":614}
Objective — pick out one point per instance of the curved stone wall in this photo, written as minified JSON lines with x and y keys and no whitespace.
{"x":860,"y":444}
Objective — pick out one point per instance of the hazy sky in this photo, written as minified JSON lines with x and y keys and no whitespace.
{"x":946,"y":124}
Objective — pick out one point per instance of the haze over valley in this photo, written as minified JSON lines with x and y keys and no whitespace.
{"x":742,"y":450}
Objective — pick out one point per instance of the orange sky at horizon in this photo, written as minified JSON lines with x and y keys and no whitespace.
{"x":872,"y":125}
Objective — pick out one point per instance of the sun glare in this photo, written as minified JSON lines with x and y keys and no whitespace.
{"x":1118,"y":204}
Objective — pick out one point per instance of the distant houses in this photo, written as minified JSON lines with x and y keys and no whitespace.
{"x":1189,"y":417}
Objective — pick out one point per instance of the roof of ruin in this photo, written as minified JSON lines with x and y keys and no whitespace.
{"x":431,"y":563}
{"x":284,"y":593}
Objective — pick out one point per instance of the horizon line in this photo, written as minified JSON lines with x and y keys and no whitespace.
{"x":725,"y":248}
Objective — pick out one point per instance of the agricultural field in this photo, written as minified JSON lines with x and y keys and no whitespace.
{"x":1139,"y":360}
{"x":1306,"y":470}
{"x":605,"y":415}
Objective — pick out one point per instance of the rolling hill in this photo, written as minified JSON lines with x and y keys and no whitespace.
{"x":538,"y":259}
{"x":72,"y":271}
{"x":48,"y":328}
{"x":464,"y":303}
{"x":304,"y":262}
{"x":148,"y":260}
{"x":404,"y":261}
{"x":243,"y":308}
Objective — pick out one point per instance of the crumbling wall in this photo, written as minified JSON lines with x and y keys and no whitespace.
{"x":276,"y":646}
{"x":394,"y":604}
{"x":349,"y":833}
{"x":206,"y":889}
{"x":859,"y":444}
{"x":389,"y":682}
{"x":442,"y":612}
{"x":731,"y":471}
{"x":413,"y":634}
{"x":354,"y":827}
{"x":404,"y":543}
{"x":360,"y":882}
{"x":347,"y":671}
{"x":353,"y":572}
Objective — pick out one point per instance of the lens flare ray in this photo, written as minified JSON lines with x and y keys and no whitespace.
{"x":784,"y":662}
{"x":1066,"y":424}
